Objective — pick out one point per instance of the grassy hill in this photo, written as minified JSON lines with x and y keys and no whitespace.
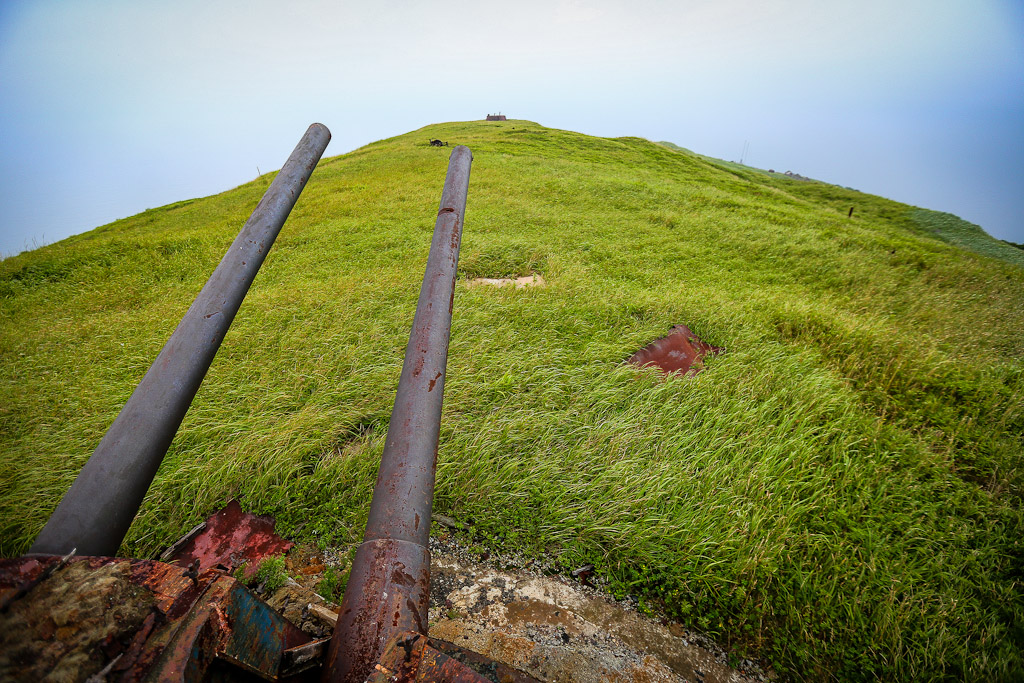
{"x":840,"y":491}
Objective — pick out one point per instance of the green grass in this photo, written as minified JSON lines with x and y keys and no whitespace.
{"x":957,"y":231}
{"x":839,"y":492}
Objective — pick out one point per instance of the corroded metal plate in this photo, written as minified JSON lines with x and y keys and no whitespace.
{"x":679,"y":352}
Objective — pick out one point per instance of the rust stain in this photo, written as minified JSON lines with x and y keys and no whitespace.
{"x":679,"y":352}
{"x":402,"y":577}
{"x":175,"y":591}
{"x":415,"y":610}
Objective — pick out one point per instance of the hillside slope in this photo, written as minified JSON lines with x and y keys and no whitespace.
{"x":840,"y":491}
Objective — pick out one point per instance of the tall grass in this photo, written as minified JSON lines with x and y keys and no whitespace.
{"x":839,"y":492}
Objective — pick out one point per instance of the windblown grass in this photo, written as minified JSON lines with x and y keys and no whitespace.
{"x":839,"y":492}
{"x":955,"y":230}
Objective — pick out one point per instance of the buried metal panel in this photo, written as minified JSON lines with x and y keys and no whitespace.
{"x":389,"y":586}
{"x":95,"y":513}
{"x":679,"y":352}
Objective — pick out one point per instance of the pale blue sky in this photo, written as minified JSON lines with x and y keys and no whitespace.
{"x":108,"y":107}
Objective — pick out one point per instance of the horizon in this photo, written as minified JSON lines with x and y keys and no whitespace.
{"x":113,"y":109}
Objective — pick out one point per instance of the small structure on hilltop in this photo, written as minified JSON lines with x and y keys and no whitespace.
{"x":495,"y":117}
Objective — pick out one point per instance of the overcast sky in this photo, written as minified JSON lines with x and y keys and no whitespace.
{"x":108,"y":108}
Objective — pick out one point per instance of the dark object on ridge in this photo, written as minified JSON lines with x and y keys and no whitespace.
{"x":438,"y":143}
{"x":495,"y":117}
{"x":850,"y":215}
{"x":680,"y":351}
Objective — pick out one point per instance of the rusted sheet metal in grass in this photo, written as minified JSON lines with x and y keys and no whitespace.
{"x":680,"y":352}
{"x":230,"y":538}
{"x":388,"y":589}
{"x":97,"y":510}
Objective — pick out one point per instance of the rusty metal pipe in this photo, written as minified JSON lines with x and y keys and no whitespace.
{"x":97,"y":510}
{"x":388,"y":588}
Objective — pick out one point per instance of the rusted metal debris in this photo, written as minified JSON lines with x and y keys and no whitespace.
{"x":410,"y":656}
{"x":183,"y":619}
{"x":583,"y":574}
{"x":679,"y":352}
{"x":135,"y":620}
{"x":229,"y":538}
{"x":138,"y":619}
{"x":490,"y":669}
{"x":75,"y":618}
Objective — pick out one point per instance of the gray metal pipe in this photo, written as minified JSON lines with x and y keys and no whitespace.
{"x":95,"y":513}
{"x":389,"y":586}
